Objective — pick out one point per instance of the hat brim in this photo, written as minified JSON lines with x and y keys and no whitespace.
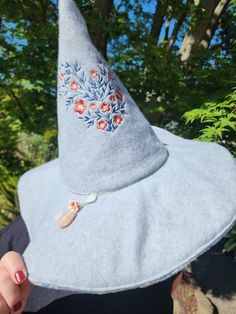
{"x":136,"y":236}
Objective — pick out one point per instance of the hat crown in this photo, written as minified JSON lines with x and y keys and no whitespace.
{"x":105,"y":142}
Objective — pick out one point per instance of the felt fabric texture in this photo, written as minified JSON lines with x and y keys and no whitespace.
{"x":151,"y":300}
{"x":93,"y":159}
{"x":135,"y":236}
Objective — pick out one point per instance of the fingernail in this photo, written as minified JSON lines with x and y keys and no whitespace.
{"x":20,"y":276}
{"x":17,"y":306}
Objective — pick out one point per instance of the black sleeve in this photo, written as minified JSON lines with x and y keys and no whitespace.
{"x":14,"y":237}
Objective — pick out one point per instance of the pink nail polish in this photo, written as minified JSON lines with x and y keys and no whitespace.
{"x":20,"y":276}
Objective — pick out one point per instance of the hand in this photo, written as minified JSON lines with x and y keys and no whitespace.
{"x":14,"y":285}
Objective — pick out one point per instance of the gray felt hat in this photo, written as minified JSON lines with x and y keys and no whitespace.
{"x":126,"y":204}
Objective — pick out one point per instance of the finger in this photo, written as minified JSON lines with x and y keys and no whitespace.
{"x":10,"y":291}
{"x":4,"y":309}
{"x":15,"y":265}
{"x":25,"y":288}
{"x":25,"y":291}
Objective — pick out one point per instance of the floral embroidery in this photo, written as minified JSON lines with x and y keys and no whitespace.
{"x":61,"y":77}
{"x":112,"y":98}
{"x":119,"y":95}
{"x":93,"y":106}
{"x":74,"y":85}
{"x":93,"y":73}
{"x":105,"y":107}
{"x":109,"y":75}
{"x":79,"y":106}
{"x":94,"y":97}
{"x":117,"y":119}
{"x":101,"y":124}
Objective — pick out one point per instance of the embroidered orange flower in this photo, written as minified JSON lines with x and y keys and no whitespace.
{"x":93,"y":73}
{"x":74,"y":85}
{"x":119,"y":95}
{"x":61,"y":77}
{"x":117,"y":119}
{"x":105,"y":107}
{"x":101,"y":124}
{"x":109,"y":75}
{"x":80,"y":106}
{"x":112,"y":98}
{"x":73,"y":205}
{"x":93,"y":106}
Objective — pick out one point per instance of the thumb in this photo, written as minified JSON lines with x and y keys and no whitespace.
{"x":14,"y":264}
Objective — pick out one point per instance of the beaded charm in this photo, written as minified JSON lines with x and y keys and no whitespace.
{"x":67,"y":218}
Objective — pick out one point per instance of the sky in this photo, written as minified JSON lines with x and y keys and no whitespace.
{"x":149,"y":7}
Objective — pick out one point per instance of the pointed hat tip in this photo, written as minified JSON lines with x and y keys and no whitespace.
{"x":73,"y":32}
{"x":101,"y":130}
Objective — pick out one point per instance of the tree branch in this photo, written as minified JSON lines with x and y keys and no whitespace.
{"x":158,"y":20}
{"x":99,"y":35}
{"x":213,"y":23}
{"x":197,"y":31}
{"x":177,"y":27}
{"x":20,"y":105}
{"x":167,"y":28}
{"x":21,"y":7}
{"x":44,"y":9}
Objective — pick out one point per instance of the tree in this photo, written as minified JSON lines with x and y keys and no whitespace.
{"x":27,"y":92}
{"x":201,"y":34}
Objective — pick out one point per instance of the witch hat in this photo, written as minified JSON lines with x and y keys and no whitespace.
{"x":143,"y":203}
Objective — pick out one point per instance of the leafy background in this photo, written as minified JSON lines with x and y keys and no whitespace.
{"x":177,"y":58}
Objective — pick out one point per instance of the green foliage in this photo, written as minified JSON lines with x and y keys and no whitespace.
{"x":8,"y":200}
{"x":160,"y":82}
{"x":230,"y":245}
{"x":218,"y":120}
{"x":28,"y":54}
